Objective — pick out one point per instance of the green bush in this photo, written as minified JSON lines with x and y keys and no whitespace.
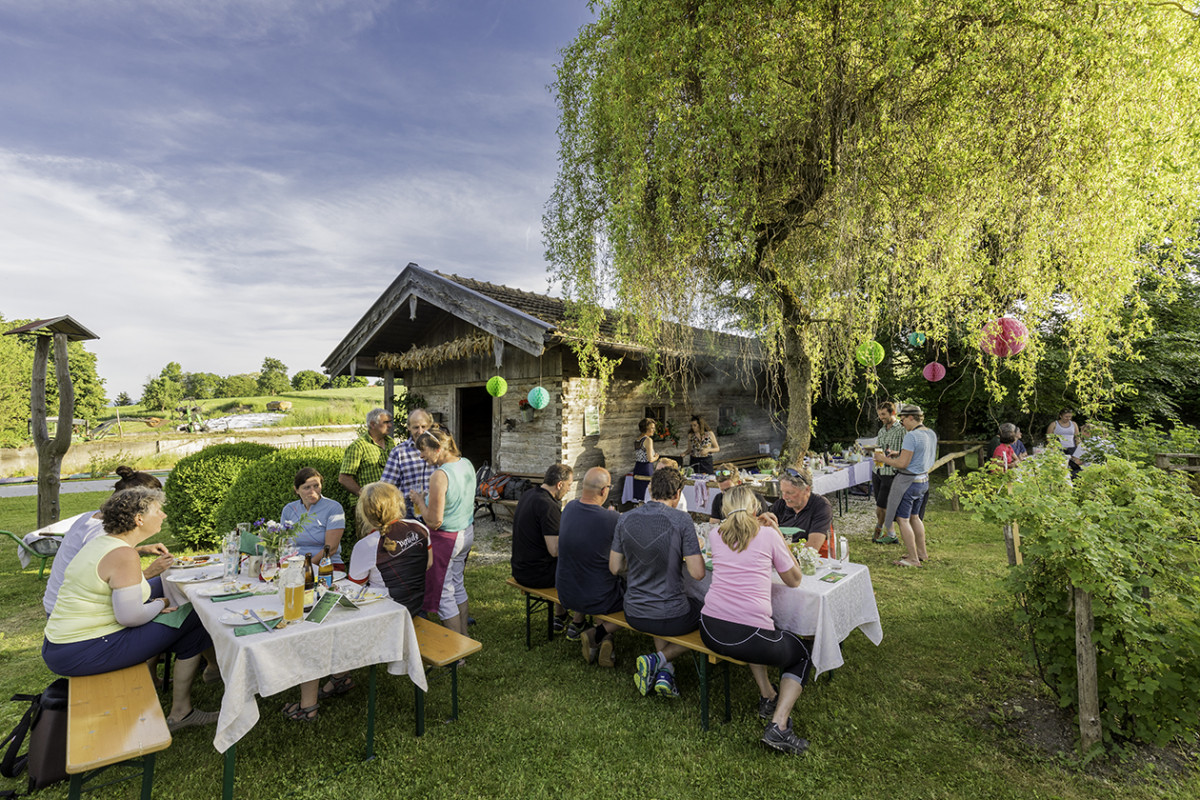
{"x":1128,"y":534}
{"x":198,"y":484}
{"x":267,"y":486}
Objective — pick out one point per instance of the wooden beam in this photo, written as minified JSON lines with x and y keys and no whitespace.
{"x":1085,"y":666}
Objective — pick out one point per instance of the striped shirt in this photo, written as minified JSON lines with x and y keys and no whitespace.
{"x":364,"y":459}
{"x":890,"y":439}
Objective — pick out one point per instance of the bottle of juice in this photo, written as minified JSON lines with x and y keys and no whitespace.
{"x":325,"y":570}
{"x":292,"y":583}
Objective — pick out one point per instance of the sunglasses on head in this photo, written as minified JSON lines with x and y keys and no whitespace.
{"x":792,"y":472}
{"x":724,"y":473}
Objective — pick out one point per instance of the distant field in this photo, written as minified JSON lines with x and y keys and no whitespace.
{"x":316,"y":407}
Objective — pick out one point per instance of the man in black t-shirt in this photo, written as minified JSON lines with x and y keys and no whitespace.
{"x":535,"y":533}
{"x":585,"y":584}
{"x":799,"y":507}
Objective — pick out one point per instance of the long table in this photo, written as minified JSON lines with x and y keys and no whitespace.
{"x":265,"y":664}
{"x":701,"y":491}
{"x":828,"y":612}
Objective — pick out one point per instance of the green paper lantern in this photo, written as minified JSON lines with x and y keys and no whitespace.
{"x":869,"y":353}
{"x":539,"y":398}
{"x":916,"y":339}
{"x":497,"y":386}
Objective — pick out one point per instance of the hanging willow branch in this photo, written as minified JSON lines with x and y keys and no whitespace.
{"x":422,"y":357}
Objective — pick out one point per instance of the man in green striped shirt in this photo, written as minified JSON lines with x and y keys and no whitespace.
{"x":366,"y":456}
{"x":889,"y":440}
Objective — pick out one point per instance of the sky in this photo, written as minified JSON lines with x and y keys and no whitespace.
{"x":216,"y":181}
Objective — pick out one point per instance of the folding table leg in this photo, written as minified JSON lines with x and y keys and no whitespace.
{"x":420,"y":710}
{"x":704,"y":693}
{"x":371,"y":715}
{"x":230,"y":767}
{"x":147,"y":775}
{"x":528,"y":617}
{"x":76,"y":786}
{"x":454,"y":690}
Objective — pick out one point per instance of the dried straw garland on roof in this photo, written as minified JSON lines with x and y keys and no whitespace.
{"x":422,"y":357}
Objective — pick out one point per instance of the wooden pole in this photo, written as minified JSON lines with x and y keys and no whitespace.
{"x":389,"y":392}
{"x":950,"y":470}
{"x":50,"y":451}
{"x":1085,"y":666}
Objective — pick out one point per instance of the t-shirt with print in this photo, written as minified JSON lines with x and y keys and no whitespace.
{"x":654,"y":540}
{"x":402,"y":571}
{"x":741,"y":582}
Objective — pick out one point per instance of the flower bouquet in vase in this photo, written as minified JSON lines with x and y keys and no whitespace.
{"x":806,"y":557}
{"x":279,"y":542}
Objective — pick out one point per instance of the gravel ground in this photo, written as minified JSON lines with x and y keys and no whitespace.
{"x":493,"y":540}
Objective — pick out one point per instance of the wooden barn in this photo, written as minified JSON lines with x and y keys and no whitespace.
{"x":445,"y":336}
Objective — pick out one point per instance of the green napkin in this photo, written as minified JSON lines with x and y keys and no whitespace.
{"x":221,"y":598}
{"x":174,"y":618}
{"x":249,"y":630}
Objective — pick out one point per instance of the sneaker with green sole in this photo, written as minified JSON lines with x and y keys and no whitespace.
{"x":647,"y":669}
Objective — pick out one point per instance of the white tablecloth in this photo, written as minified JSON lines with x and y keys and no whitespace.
{"x":55,"y":529}
{"x":828,"y":612}
{"x":264,"y":664}
{"x":700,"y":492}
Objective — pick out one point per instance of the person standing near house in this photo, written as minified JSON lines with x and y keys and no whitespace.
{"x":405,"y":469}
{"x":910,"y":491}
{"x":367,"y":455}
{"x":889,"y":439}
{"x":702,"y":443}
{"x":535,"y":535}
{"x":643,"y":457}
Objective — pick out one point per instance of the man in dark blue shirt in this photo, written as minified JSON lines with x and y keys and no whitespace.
{"x":585,"y":584}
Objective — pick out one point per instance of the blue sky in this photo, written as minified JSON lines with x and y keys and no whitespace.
{"x":215,"y":181}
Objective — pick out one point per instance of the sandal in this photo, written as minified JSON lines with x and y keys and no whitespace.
{"x":340,"y":686}
{"x":904,"y":562}
{"x":293,"y":711}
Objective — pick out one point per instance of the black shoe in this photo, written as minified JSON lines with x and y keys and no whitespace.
{"x":785,"y":741}
{"x":766,"y":706}
{"x":470,"y":620}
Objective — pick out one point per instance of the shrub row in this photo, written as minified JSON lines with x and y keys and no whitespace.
{"x":199,"y":483}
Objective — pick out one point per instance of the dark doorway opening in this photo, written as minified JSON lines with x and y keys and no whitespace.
{"x":475,"y":424}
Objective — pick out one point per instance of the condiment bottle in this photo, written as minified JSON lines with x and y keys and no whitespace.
{"x":309,"y":582}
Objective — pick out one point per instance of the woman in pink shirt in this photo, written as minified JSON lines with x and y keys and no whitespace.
{"x":736,"y":619}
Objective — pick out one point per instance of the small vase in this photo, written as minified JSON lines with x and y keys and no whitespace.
{"x":808,"y":568}
{"x":527,"y":414}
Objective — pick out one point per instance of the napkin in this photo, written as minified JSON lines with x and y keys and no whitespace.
{"x":221,"y":598}
{"x":174,"y":618}
{"x":250,"y":630}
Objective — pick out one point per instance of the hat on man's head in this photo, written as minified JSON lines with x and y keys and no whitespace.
{"x":909,"y":408}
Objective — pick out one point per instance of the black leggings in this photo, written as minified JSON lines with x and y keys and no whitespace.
{"x":768,"y":646}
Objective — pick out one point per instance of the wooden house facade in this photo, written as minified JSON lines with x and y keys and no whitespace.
{"x":445,"y":336}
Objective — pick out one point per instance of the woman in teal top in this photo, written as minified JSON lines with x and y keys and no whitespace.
{"x":448,"y":513}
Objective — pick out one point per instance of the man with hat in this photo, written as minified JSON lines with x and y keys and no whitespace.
{"x":910,"y":490}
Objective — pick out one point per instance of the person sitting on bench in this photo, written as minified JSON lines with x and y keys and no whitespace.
{"x":535,"y":535}
{"x":584,"y":582}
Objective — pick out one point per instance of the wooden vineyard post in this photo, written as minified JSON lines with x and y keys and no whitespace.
{"x":1085,"y":666}
{"x":950,"y":470}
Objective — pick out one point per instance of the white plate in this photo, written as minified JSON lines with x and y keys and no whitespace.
{"x":224,"y":588}
{"x":232,"y":617}
{"x":194,"y":561}
{"x":338,"y":575}
{"x":191,"y":577}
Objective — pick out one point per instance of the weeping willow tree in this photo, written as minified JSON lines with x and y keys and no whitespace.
{"x":844,"y":169}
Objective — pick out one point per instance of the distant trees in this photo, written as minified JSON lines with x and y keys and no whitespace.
{"x":239,"y":386}
{"x":348,"y":382}
{"x":273,"y":377}
{"x":201,"y":385}
{"x":163,"y":392}
{"x":307,"y":380}
{"x":123,"y":399}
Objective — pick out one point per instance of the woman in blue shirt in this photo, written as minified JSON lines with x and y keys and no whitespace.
{"x":326,"y":521}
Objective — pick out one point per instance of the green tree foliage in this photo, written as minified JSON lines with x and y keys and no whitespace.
{"x":198,"y":484}
{"x":273,"y":378}
{"x":162,"y":393}
{"x":239,"y":386}
{"x":123,"y":399}
{"x":348,"y":382}
{"x":851,"y":168}
{"x":1129,"y":535}
{"x":201,"y":385}
{"x":307,"y":380}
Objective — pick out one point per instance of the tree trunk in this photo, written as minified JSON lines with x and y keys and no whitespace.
{"x":797,"y":371}
{"x":51,"y":451}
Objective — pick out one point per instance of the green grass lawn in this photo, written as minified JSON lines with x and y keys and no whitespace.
{"x":907,"y":719}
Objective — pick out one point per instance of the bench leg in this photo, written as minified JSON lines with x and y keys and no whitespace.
{"x":454,"y":690}
{"x":703,"y":693}
{"x":76,"y":786}
{"x":230,"y":769}
{"x":420,"y":704}
{"x":147,"y":775}
{"x":528,"y":614}
{"x":371,"y":716}
{"x":728,"y":711}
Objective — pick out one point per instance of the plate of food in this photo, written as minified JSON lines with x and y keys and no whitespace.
{"x":191,"y":577}
{"x":228,"y":587}
{"x":190,"y":562}
{"x":232,"y":617}
{"x":368,"y":596}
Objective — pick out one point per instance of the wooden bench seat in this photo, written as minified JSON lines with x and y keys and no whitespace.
{"x":511,"y":505}
{"x":441,"y":647}
{"x":112,"y":718}
{"x":534,"y":600}
{"x":694,"y":643}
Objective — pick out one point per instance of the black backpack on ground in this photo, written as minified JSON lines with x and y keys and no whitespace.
{"x":45,"y":722}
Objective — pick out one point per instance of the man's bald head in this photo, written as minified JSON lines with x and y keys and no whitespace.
{"x":596,"y":483}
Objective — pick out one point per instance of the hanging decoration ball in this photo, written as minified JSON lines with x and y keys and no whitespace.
{"x":934,"y":372}
{"x":1004,"y":337}
{"x":916,"y":339}
{"x":497,"y":386}
{"x":869,"y":353}
{"x":539,"y":398}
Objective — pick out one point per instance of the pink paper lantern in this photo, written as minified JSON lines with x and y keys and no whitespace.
{"x":934,"y":371}
{"x":1004,"y":337}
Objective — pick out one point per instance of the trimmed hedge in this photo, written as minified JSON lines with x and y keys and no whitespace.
{"x":266,"y":487}
{"x":198,"y":484}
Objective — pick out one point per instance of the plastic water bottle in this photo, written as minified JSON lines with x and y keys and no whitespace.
{"x":843,"y":550}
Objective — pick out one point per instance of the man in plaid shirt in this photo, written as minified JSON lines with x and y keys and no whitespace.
{"x":405,"y":468}
{"x":891,"y":437}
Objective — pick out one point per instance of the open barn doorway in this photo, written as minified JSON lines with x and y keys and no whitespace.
{"x":475,"y":424}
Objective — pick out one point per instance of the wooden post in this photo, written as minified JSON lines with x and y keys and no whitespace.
{"x":50,"y":451}
{"x":1085,"y":665}
{"x":950,"y":470}
{"x":389,"y":392}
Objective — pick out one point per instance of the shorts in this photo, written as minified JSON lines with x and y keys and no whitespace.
{"x":881,"y":485}
{"x":671,"y":626}
{"x":454,"y":590}
{"x":914,"y":500}
{"x":774,"y":648}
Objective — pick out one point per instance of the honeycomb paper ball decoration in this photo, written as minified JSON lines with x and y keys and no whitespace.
{"x":1004,"y":337}
{"x":916,"y":339}
{"x":497,"y":386}
{"x":539,"y":398}
{"x":869,"y":354}
{"x":934,"y":372}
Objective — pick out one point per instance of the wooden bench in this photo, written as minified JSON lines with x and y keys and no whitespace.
{"x":534,"y":600}
{"x":694,"y":643}
{"x":113,"y":718}
{"x":441,"y":647}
